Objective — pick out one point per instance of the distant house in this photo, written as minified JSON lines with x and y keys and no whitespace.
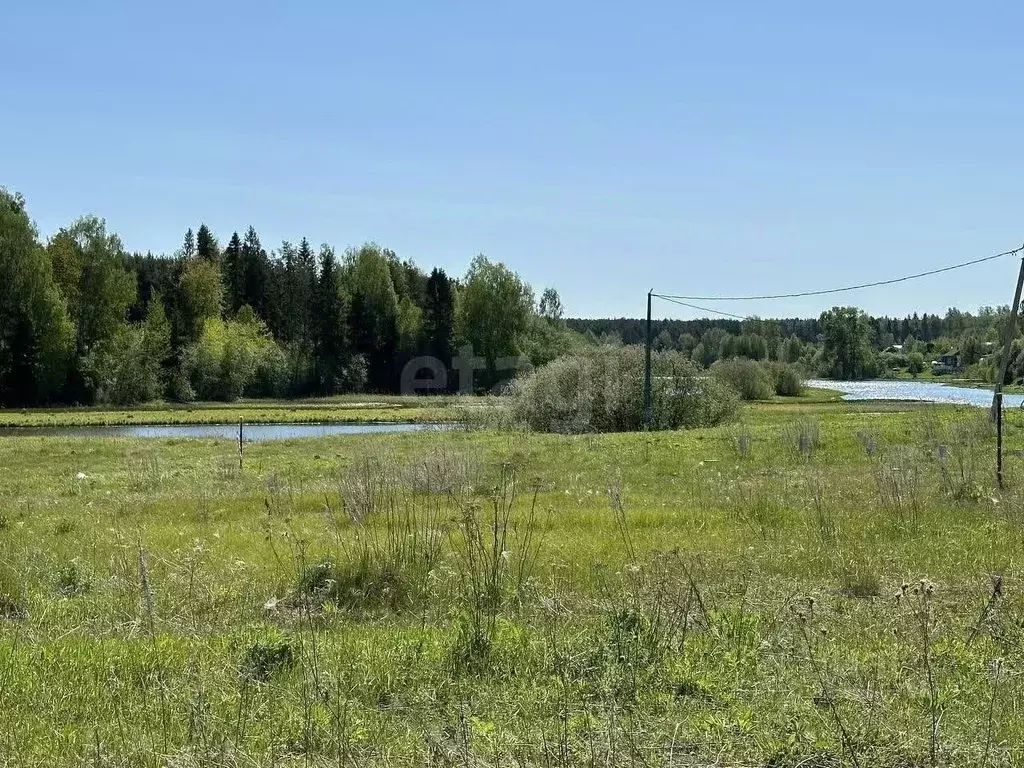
{"x":895,"y":349}
{"x":946,"y":364}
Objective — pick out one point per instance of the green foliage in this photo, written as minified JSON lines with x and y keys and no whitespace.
{"x":791,"y":350}
{"x":207,"y":248}
{"x":788,"y":379}
{"x":202,"y":292}
{"x":601,"y":390}
{"x":126,"y":369}
{"x":89,"y":266}
{"x":237,"y":357}
{"x":336,"y":369}
{"x":36,"y":332}
{"x":409,"y":325}
{"x":493,"y":314}
{"x":547,"y":340}
{"x":267,"y":656}
{"x":847,"y":351}
{"x":439,"y":317}
{"x":550,"y":306}
{"x":71,"y":579}
{"x":915,"y":363}
{"x":750,"y":379}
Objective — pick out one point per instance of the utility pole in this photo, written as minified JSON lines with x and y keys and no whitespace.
{"x":999,"y":439}
{"x":1008,"y":332}
{"x":647,"y":362}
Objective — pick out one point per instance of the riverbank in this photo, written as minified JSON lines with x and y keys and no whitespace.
{"x":362,"y":409}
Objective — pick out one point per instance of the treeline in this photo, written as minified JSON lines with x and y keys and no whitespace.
{"x":682,"y":335}
{"x":84,"y":321}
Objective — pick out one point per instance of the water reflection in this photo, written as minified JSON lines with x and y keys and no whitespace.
{"x":253,"y":433}
{"x":925,"y":391}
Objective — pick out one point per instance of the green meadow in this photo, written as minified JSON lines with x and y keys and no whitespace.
{"x":817,"y":584}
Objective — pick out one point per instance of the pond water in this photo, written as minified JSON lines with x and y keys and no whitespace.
{"x":924,"y":391}
{"x":252,"y":433}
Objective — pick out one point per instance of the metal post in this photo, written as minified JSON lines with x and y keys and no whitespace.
{"x":1008,"y":332}
{"x":999,"y":439}
{"x":647,"y":368}
{"x":240,"y":446}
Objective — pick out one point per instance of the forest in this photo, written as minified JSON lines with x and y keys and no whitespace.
{"x":84,"y":321}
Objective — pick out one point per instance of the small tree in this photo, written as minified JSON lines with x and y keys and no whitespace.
{"x":915,"y":363}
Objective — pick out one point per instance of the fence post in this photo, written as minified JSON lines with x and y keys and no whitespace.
{"x":240,"y":446}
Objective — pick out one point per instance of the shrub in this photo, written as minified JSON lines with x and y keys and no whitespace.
{"x":601,"y":390}
{"x":72,"y":580}
{"x":915,"y":363}
{"x":788,"y":379}
{"x":749,"y":378}
{"x":234,"y":358}
{"x":267,"y":656}
{"x":123,"y":370}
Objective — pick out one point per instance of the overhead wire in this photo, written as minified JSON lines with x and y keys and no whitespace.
{"x":694,"y":306}
{"x":679,"y":299}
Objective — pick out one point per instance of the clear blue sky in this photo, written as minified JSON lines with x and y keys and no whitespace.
{"x":603,"y":148}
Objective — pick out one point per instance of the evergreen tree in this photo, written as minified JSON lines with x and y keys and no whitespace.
{"x":305,"y":288}
{"x":188,"y":248}
{"x":330,"y":334}
{"x":257,"y":273}
{"x":291,"y":324}
{"x":234,"y":274}
{"x":439,"y":317}
{"x":207,"y":248}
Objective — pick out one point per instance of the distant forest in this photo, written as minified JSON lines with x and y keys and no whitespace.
{"x":843,"y":343}
{"x":888,"y":330}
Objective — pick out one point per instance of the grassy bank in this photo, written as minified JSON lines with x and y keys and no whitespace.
{"x":812,"y":586}
{"x":364,"y":408}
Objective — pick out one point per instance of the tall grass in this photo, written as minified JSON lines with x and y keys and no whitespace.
{"x":493,"y":599}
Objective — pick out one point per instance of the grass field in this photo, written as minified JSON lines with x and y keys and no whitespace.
{"x":821,"y":584}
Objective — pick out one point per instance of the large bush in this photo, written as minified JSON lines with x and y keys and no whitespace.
{"x":601,"y":390}
{"x":788,"y":379}
{"x":234,"y":358}
{"x":750,"y":379}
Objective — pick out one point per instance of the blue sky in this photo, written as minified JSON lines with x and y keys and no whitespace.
{"x":604,"y":149}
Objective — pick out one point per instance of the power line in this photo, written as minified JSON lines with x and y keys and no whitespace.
{"x":903,"y":279}
{"x":674,"y":300}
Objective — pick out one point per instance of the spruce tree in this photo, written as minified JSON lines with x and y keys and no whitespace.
{"x":330,"y":333}
{"x":439,"y":317}
{"x":234,"y":274}
{"x":207,"y":248}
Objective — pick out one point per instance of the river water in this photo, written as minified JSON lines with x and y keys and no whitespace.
{"x":907,"y":389}
{"x":253,"y":433}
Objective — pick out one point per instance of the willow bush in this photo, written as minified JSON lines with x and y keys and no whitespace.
{"x":601,"y":390}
